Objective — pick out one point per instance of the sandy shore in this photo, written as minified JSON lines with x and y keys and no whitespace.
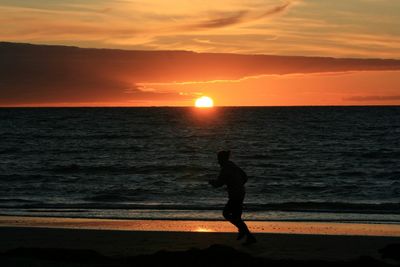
{"x":321,"y":228}
{"x":276,"y":240}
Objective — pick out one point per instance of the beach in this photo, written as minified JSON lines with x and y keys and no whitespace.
{"x":199,"y":133}
{"x":132,"y":238}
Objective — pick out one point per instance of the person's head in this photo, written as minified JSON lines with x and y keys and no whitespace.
{"x":223,"y":156}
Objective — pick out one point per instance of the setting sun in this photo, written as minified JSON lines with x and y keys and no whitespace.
{"x":204,"y":102}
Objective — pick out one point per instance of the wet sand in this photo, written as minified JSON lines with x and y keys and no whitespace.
{"x":121,"y":238}
{"x":321,"y":228}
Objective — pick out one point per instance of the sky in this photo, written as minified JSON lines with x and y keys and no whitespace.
{"x":312,"y":28}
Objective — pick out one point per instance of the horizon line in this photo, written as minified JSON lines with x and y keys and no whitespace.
{"x":245,"y":106}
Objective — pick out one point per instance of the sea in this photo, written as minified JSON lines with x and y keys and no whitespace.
{"x":334,"y":164}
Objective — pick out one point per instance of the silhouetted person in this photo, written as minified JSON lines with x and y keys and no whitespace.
{"x":234,"y":178}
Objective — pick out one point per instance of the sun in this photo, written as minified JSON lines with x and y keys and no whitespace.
{"x":204,"y":102}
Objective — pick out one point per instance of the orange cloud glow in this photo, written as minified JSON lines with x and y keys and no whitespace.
{"x":343,"y":88}
{"x":357,"y":28}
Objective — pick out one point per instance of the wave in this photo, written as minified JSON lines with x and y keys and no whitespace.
{"x":258,"y":157}
{"x":24,"y":177}
{"x":17,"y":200}
{"x":90,"y":137}
{"x":319,"y":207}
{"x":382,"y":155}
{"x":351,"y":173}
{"x":124,"y":169}
{"x":118,"y":195}
{"x":341,"y":207}
{"x":10,"y":151}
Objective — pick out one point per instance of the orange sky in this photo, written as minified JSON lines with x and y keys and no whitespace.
{"x":353,"y":28}
{"x":341,"y":88}
{"x":340,"y":29}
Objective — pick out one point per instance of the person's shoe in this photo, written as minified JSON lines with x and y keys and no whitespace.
{"x":250,"y":240}
{"x":241,"y":235}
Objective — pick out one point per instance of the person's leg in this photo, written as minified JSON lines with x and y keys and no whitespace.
{"x":229,"y":211}
{"x":236,"y":217}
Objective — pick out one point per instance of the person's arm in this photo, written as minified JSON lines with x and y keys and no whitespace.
{"x":220,"y":181}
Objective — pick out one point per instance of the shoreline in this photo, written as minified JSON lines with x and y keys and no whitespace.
{"x":201,"y":219}
{"x":277,"y":227}
{"x":127,"y":238}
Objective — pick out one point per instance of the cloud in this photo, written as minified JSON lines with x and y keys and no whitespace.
{"x":75,"y":87}
{"x":55,"y":74}
{"x":373,"y":98}
{"x":237,"y":18}
{"x":323,"y":28}
{"x":276,"y":10}
{"x":34,"y":76}
{"x":122,"y":21}
{"x":217,"y":22}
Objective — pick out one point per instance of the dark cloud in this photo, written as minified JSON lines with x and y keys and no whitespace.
{"x":76,"y":89}
{"x":141,"y":95}
{"x":374,"y":98}
{"x":33,"y":74}
{"x":54,"y":74}
{"x":274,"y":11}
{"x":237,"y":17}
{"x":219,"y":22}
